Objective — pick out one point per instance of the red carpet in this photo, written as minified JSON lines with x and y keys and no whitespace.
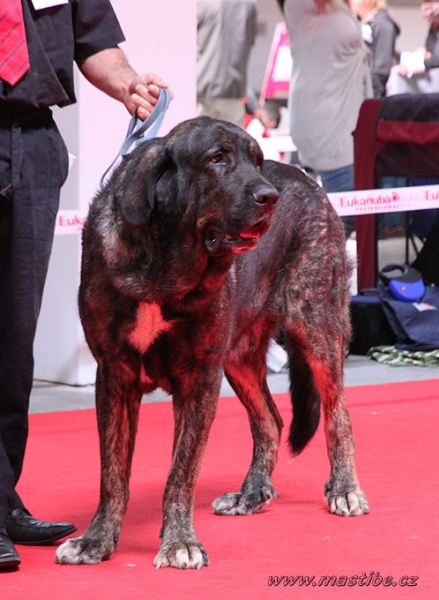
{"x":396,"y":433}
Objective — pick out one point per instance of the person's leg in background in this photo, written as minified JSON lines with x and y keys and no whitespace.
{"x":340,"y":180}
{"x":227,"y":109}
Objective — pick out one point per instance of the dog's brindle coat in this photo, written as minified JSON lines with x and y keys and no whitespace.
{"x":170,"y":296}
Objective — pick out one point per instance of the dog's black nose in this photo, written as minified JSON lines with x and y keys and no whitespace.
{"x":267,"y":195}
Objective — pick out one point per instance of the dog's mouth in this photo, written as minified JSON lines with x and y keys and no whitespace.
{"x":219,"y":242}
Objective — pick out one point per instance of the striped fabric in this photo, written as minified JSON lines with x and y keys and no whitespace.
{"x":14,"y":57}
{"x":390,"y":355}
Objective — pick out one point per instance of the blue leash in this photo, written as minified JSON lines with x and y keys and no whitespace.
{"x":140,"y":131}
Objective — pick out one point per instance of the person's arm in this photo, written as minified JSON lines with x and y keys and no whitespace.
{"x":431,"y":60}
{"x":110,"y":72}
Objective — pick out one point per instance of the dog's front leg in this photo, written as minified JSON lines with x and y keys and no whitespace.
{"x":248,"y":379}
{"x":193,"y":413}
{"x":117,"y":406}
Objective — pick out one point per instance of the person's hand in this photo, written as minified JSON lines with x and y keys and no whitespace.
{"x":110,"y":71}
{"x":402,"y":70}
{"x":144,"y":91}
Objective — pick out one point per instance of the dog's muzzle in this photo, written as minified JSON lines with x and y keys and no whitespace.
{"x":220,"y":240}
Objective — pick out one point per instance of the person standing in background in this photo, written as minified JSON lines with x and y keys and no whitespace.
{"x":38,"y":48}
{"x":430,"y":11}
{"x":330,"y":79}
{"x":226,"y":31}
{"x":426,"y":57}
{"x":379,"y":33}
{"x":266,"y":116}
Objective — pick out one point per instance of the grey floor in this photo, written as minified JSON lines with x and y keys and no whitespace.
{"x":359,"y":370}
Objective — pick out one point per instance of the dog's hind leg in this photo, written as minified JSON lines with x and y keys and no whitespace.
{"x":316,"y":371}
{"x":248,"y":379}
{"x":118,"y":397}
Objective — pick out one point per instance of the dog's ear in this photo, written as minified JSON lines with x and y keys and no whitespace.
{"x":140,"y":177}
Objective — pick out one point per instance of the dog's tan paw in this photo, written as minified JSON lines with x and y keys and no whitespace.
{"x":82,"y":551}
{"x":182,"y":556}
{"x":351,"y":504}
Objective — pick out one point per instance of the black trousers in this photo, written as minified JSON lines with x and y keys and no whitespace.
{"x":33,"y":167}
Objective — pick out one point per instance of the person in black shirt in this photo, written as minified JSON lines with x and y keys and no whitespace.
{"x":33,"y":167}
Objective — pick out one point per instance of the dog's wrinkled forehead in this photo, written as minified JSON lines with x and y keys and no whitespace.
{"x":196,"y":139}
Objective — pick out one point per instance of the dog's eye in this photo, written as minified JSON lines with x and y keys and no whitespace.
{"x":217,"y":159}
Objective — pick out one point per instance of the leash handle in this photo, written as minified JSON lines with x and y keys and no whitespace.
{"x":139,"y":131}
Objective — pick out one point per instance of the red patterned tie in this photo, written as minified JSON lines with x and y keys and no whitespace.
{"x":14,"y":57}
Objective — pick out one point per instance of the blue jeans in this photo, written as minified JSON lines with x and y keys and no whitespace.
{"x":338,"y":180}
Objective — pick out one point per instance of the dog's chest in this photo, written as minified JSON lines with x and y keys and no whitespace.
{"x":148,"y":324}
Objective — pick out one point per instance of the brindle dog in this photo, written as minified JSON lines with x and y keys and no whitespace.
{"x":171,"y":296}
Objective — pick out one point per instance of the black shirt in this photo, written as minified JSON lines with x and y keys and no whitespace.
{"x":380,"y":33}
{"x":56,"y":37}
{"x":432,"y":46}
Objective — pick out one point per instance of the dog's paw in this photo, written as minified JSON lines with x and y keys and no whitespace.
{"x":244,"y":504}
{"x":83,"y":551}
{"x":349,"y":504}
{"x":182,"y":556}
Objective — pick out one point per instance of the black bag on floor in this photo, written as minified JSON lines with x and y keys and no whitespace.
{"x":370,"y":326}
{"x":415,"y":324}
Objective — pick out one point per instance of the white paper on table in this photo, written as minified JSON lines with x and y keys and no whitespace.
{"x":413,"y":62}
{"x":40,"y":4}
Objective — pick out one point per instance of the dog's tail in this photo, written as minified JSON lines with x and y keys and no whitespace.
{"x":306,"y":404}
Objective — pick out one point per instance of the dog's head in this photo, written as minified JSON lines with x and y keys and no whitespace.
{"x":204,"y":172}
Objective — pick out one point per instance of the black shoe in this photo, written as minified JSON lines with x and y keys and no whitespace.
{"x":23,"y":529}
{"x":9,"y":558}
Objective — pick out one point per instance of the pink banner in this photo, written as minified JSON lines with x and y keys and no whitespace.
{"x":278,"y":72}
{"x":367,"y":202}
{"x":364,"y":202}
